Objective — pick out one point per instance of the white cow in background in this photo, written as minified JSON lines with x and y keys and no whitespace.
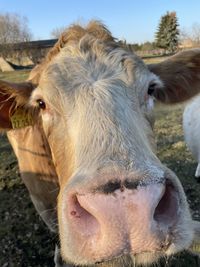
{"x":191,"y":127}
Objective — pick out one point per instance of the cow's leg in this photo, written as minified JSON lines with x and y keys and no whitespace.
{"x":197,"y":173}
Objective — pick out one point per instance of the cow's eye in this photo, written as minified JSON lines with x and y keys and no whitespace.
{"x":41,"y":104}
{"x":151,"y":89}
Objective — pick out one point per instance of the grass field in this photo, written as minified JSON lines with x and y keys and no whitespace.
{"x":24,"y":239}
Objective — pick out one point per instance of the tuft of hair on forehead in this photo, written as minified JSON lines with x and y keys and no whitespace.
{"x":95,"y":28}
{"x":74,"y":33}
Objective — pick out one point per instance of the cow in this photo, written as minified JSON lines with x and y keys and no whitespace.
{"x":80,"y":129}
{"x":191,"y":127}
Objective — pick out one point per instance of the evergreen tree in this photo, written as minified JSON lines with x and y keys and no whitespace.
{"x":168,"y":32}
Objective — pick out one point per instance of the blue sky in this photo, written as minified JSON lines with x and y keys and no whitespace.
{"x":133,"y":20}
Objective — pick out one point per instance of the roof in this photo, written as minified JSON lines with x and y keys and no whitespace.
{"x":34,"y":44}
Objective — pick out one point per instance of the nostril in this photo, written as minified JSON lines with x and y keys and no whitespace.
{"x":76,"y":210}
{"x":83,"y":221}
{"x":166,"y":212}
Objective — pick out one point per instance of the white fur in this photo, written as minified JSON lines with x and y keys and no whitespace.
{"x":191,"y":127}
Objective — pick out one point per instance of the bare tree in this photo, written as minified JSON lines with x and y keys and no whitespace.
{"x":190,"y":37}
{"x":55,"y":33}
{"x":13,"y":29}
{"x":196,"y":34}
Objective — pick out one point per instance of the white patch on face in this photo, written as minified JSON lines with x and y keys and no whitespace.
{"x":155,"y":171}
{"x":36,"y":94}
{"x":150,"y":103}
{"x":46,"y":117}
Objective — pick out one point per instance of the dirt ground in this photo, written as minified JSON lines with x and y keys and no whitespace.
{"x":24,"y":239}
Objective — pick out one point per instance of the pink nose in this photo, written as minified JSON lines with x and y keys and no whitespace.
{"x":130,"y":221}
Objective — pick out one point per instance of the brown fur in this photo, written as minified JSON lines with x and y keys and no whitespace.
{"x":73,"y":34}
{"x":12,"y":95}
{"x":37,"y":170}
{"x":180,"y":75}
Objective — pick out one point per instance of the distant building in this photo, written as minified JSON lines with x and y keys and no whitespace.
{"x":186,"y":43}
{"x":27,"y":53}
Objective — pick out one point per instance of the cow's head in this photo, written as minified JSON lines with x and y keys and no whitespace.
{"x":116,"y":198}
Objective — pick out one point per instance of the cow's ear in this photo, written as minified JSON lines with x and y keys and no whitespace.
{"x":14,"y":111}
{"x":180,"y":75}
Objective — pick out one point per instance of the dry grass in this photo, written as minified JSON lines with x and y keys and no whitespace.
{"x":15,"y":76}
